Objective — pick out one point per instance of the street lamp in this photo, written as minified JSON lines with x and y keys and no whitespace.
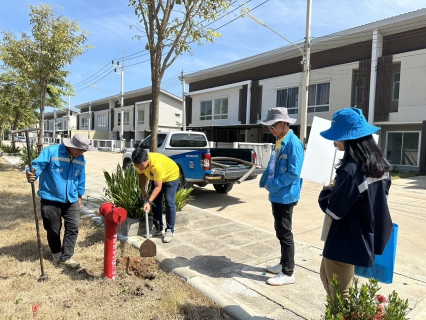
{"x":306,"y":66}
{"x":117,"y":65}
{"x":120,"y":101}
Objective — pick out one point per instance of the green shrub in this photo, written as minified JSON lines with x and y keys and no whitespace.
{"x":9,"y":148}
{"x":123,"y":190}
{"x":364,"y":303}
{"x":23,"y":154}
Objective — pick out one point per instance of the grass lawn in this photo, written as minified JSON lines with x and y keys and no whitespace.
{"x":142,"y":289}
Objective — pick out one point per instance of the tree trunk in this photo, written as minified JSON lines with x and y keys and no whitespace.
{"x":41,"y":123}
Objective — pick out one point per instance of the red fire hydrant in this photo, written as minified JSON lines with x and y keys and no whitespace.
{"x":113,"y":216}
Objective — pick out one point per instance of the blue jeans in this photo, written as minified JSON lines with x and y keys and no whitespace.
{"x":52,"y":213}
{"x":168,"y":191}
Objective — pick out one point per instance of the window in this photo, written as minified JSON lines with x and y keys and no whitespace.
{"x":119,"y":118}
{"x":59,"y":125}
{"x":51,"y":125}
{"x":288,"y":98}
{"x":126,"y":118}
{"x":221,"y":108}
{"x":403,"y":148}
{"x":45,"y":125}
{"x":141,"y":116}
{"x":206,"y":110}
{"x":319,"y":97}
{"x":181,"y":140}
{"x":84,"y":122}
{"x":101,"y":121}
{"x":65,"y":125}
{"x":395,"y":88}
{"x":147,"y":142}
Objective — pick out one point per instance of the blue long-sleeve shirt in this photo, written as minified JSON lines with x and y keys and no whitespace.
{"x":61,"y":179}
{"x":285,"y":184}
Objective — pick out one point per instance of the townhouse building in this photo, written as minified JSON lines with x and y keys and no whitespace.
{"x":105,"y":119}
{"x":59,"y":124}
{"x":379,"y":67}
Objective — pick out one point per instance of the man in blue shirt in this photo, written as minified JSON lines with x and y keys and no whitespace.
{"x":62,"y":184}
{"x":282,"y":180}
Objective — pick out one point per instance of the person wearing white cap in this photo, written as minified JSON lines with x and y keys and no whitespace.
{"x":282,"y":181}
{"x":356,"y":204}
{"x":62,"y":183}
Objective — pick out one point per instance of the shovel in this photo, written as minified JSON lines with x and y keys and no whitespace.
{"x":148,"y":247}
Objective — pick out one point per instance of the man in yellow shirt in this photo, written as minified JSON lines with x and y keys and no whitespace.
{"x":164,"y":173}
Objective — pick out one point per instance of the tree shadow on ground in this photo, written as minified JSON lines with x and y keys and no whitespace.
{"x":26,"y":251}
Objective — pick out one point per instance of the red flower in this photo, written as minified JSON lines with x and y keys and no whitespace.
{"x":381,"y":298}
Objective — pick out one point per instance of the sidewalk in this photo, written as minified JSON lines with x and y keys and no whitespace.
{"x":225,"y":258}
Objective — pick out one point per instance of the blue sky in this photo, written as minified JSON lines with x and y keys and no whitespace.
{"x":108,"y":22}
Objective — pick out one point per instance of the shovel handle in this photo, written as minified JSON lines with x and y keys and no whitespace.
{"x":147,"y":224}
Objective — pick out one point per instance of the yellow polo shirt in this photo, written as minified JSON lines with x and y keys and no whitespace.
{"x":160,"y":168}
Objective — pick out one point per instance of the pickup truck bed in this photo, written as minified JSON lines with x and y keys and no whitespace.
{"x":199,"y":165}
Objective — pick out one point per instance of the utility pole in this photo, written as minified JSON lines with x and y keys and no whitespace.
{"x":306,"y":76}
{"x":183,"y":102}
{"x":88,"y":121}
{"x":122,"y":99}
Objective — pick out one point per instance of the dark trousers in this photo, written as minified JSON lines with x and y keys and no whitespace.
{"x":168,"y":191}
{"x":282,"y":221}
{"x":52,"y":213}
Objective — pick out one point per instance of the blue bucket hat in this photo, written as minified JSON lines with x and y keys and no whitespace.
{"x":348,"y":124}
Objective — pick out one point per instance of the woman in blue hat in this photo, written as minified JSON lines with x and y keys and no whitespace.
{"x":356,"y":204}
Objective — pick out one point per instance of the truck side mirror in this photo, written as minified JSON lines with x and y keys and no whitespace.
{"x":136,"y":145}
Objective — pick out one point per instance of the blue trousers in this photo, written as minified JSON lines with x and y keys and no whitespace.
{"x":168,"y":192}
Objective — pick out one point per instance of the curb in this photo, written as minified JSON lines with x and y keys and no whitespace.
{"x":213,"y":292}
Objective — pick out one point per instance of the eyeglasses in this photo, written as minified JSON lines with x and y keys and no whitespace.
{"x":272,"y":127}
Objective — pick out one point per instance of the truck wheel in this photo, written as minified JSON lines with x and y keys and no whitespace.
{"x":223,"y":188}
{"x":128,"y":164}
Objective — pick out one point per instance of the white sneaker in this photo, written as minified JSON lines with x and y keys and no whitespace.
{"x":56,"y":257}
{"x":168,"y":236}
{"x":275,"y":269}
{"x":281,"y":279}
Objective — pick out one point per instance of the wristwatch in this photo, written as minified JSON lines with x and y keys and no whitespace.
{"x":150,"y":203}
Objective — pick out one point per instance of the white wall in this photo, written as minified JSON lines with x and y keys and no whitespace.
{"x":233,"y":101}
{"x":101,"y":113}
{"x":412,"y":93}
{"x":340,"y":78}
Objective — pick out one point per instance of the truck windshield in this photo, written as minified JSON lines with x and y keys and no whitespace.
{"x":146,"y":143}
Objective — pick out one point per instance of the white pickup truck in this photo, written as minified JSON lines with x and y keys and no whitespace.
{"x":200,"y":165}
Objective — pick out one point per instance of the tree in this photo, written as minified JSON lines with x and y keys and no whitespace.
{"x":17,"y":102}
{"x":55,"y":42}
{"x":170,"y":28}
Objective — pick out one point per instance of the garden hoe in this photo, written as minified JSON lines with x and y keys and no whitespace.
{"x":43,"y":276}
{"x":148,"y":247}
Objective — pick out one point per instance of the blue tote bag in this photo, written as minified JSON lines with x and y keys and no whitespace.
{"x":384,"y":264}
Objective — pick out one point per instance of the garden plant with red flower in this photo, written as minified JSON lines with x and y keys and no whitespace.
{"x":365,"y":303}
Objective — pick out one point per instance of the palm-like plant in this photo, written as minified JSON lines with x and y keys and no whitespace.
{"x":124,"y":191}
